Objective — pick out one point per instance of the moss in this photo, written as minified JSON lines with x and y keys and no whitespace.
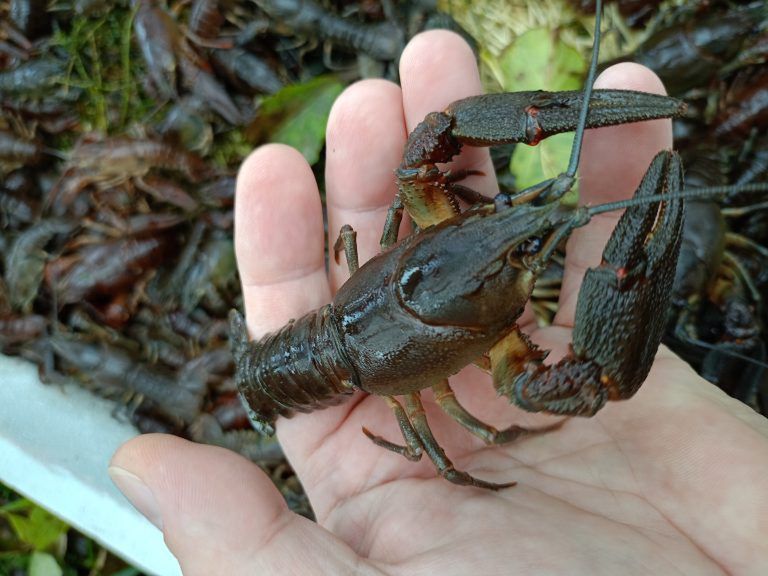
{"x":229,"y":149}
{"x":104,"y":63}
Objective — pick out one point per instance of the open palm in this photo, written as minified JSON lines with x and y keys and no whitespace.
{"x":673,"y":481}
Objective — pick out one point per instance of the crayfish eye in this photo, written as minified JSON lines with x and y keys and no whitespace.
{"x":529,"y":247}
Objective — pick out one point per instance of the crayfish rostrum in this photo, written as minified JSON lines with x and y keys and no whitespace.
{"x":451,"y":293}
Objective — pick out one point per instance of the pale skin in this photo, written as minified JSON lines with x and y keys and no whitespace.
{"x":673,"y":481}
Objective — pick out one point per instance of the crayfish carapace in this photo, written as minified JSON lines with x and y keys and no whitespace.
{"x":446,"y":296}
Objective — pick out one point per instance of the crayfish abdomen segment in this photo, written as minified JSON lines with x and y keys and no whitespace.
{"x":296,"y":369}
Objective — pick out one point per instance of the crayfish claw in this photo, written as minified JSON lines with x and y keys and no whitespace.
{"x":610,"y":358}
{"x":633,"y":285}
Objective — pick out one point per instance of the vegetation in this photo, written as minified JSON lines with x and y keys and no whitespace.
{"x":33,"y":542}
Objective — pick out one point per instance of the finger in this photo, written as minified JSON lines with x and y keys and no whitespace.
{"x":436,"y":68}
{"x":365,"y":139}
{"x":613,"y":163}
{"x":279,"y":241}
{"x":220,"y":514}
{"x":279,"y":238}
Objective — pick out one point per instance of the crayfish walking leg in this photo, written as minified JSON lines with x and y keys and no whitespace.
{"x":446,"y":399}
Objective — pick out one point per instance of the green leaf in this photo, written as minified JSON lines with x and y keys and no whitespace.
{"x":540,"y":60}
{"x":13,"y":561}
{"x":303,"y":111}
{"x":39,"y":529}
{"x":42,"y":564}
{"x":18,"y":505}
{"x":532,"y":164}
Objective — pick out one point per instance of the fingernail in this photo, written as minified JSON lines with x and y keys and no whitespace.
{"x":137,"y":493}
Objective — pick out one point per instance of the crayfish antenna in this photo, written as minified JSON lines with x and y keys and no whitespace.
{"x":578,"y":137}
{"x":708,"y":346}
{"x":707,"y":193}
{"x":555,"y":188}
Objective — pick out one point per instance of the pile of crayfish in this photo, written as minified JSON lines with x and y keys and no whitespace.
{"x":122,"y":125}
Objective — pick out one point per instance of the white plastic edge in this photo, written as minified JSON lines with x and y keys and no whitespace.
{"x":55,"y":446}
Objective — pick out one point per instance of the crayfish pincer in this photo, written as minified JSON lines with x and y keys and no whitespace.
{"x":430,"y":194}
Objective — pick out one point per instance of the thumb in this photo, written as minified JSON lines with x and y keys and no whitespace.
{"x":220,"y":514}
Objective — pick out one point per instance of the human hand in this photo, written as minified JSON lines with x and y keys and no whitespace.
{"x":673,"y":481}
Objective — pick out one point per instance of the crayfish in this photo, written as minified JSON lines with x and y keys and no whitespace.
{"x":451,"y":294}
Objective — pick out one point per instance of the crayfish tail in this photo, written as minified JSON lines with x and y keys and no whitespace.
{"x":295,"y":369}
{"x":262,"y":419}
